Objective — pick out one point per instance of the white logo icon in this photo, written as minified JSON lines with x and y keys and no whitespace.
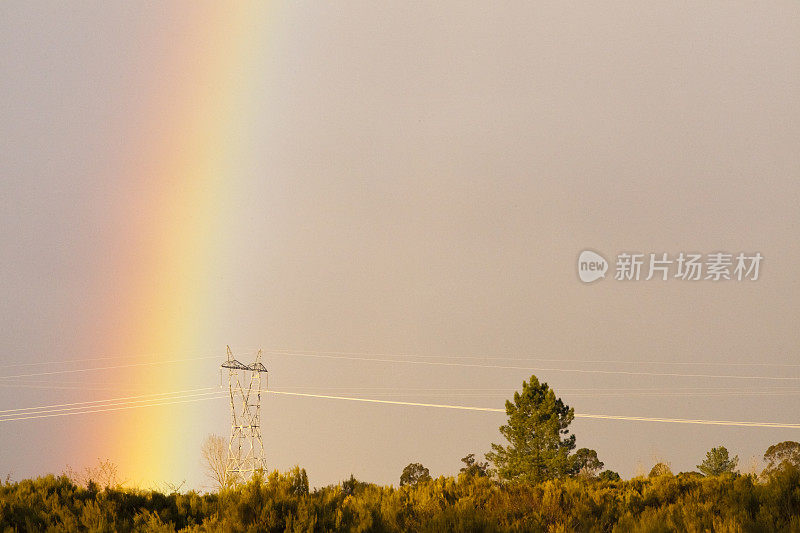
{"x":591,"y":266}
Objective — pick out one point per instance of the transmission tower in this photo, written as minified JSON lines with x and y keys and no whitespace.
{"x":245,"y":448}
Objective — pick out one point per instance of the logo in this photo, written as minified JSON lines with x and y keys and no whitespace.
{"x":591,"y":266}
{"x":684,"y":266}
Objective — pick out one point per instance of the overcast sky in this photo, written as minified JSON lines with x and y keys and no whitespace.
{"x":420,"y":178}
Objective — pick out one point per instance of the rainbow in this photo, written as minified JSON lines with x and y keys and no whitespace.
{"x":183,"y":159}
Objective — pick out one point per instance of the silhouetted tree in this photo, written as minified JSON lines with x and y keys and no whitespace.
{"x":609,"y":475}
{"x":717,"y":462}
{"x":782,"y":455}
{"x":349,"y":486}
{"x":413,"y":474}
{"x":585,"y":463}
{"x":473,"y":468}
{"x":539,"y":441}
{"x":299,"y":481}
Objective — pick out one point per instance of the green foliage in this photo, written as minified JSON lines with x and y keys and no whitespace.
{"x":537,"y":489}
{"x":585,"y":463}
{"x":414,"y":473}
{"x":280,"y":502}
{"x":609,"y":475}
{"x":350,"y":486}
{"x":473,"y":468}
{"x":717,"y":462}
{"x":539,"y":441}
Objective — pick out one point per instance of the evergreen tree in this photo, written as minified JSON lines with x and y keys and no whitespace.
{"x":717,"y":462}
{"x":539,"y":443}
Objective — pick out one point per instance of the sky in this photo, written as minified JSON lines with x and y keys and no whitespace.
{"x":390,"y":200}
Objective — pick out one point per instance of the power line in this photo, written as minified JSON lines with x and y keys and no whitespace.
{"x":78,"y":409}
{"x":585,"y":395}
{"x":485,"y":391}
{"x":23,"y":385}
{"x":113,"y":367}
{"x":116,"y":408}
{"x":429,"y":363}
{"x":541,"y":369}
{"x":108,"y":400}
{"x":187,"y":398}
{"x":476,"y":393}
{"x":602,"y":417}
{"x":548,"y":360}
{"x":501,"y":357}
{"x":107,"y":358}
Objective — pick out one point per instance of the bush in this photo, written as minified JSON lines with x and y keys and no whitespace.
{"x":283,"y":502}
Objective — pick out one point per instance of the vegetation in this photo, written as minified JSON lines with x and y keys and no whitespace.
{"x":585,"y":463}
{"x":609,"y":475}
{"x":782,"y":455}
{"x":660,"y":469}
{"x":474,"y":468}
{"x":283,"y":502}
{"x":214,"y":455}
{"x":717,"y":462}
{"x":413,"y":474}
{"x":539,"y":443}
{"x":537,"y":484}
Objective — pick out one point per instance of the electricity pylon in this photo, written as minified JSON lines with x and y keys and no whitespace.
{"x":245,"y":448}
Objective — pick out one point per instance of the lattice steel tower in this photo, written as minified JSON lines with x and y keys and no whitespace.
{"x":245,"y":448}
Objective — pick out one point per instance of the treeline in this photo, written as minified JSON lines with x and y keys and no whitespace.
{"x":283,"y":502}
{"x":536,"y":481}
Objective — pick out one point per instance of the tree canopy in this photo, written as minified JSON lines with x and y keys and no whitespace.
{"x":660,"y":469}
{"x":278,"y":502}
{"x":474,"y":468}
{"x":413,"y":474}
{"x":609,"y":475}
{"x":539,"y":443}
{"x":717,"y":462}
{"x":585,"y":463}
{"x":782,"y":455}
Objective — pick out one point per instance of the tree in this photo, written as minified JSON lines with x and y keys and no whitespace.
{"x":350,"y":486}
{"x":539,"y":441}
{"x":473,"y":468}
{"x":214,"y":454}
{"x":782,"y":455}
{"x":413,"y":474}
{"x":299,"y":480}
{"x":585,"y":463}
{"x":168,"y":487}
{"x":717,"y":462}
{"x":660,"y":469}
{"x":104,"y":475}
{"x":609,"y":475}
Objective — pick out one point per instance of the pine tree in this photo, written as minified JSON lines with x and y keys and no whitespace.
{"x":539,"y":443}
{"x":717,"y":462}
